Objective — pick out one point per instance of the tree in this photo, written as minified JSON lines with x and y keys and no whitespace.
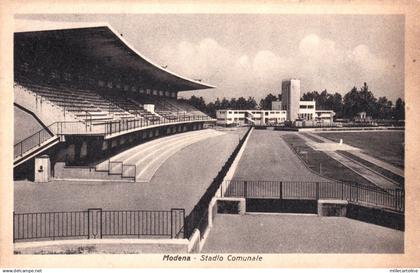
{"x":241,"y":103}
{"x":384,"y":107}
{"x":225,"y":104}
{"x":211,"y":109}
{"x":265,"y":103}
{"x":335,"y":103}
{"x":399,"y":110}
{"x":232,"y":103}
{"x":309,"y":96}
{"x":198,"y":103}
{"x":251,"y":103}
{"x":360,"y":101}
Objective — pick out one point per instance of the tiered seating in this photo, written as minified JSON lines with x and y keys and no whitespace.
{"x":86,"y":105}
{"x":105,"y":105}
{"x":141,"y":111}
{"x":99,"y":107}
{"x":167,"y":115}
{"x":171,"y":109}
{"x":124,"y":103}
{"x":187,"y":109}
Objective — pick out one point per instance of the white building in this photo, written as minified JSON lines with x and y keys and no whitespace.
{"x":252,"y":117}
{"x":290,"y":108}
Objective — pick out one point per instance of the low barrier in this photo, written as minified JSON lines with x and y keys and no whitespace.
{"x":303,"y":190}
{"x":125,"y":170}
{"x":198,"y":217}
{"x":97,"y":223}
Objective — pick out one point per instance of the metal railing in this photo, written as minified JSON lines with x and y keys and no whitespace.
{"x":34,"y":140}
{"x":118,"y":126}
{"x":54,"y":129}
{"x":96,"y":223}
{"x":79,"y":128}
{"x":352,"y":192}
{"x":125,"y":170}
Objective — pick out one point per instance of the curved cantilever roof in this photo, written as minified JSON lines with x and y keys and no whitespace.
{"x":101,"y":44}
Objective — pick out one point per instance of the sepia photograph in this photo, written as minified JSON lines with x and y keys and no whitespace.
{"x":208,"y":137}
{"x":211,"y":129}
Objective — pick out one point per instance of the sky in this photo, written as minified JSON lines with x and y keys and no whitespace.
{"x":250,"y":54}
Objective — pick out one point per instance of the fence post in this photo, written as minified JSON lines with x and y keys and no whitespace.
{"x":317,"y":190}
{"x":357,"y":193}
{"x":281,"y":190}
{"x":95,"y":223}
{"x":245,"y":189}
{"x":177,"y":215}
{"x":14,"y":235}
{"x":342,"y":191}
{"x":172,"y":225}
{"x":396,"y":198}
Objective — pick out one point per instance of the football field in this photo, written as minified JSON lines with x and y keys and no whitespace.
{"x":385,"y":145}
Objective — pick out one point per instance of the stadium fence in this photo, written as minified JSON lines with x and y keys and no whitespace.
{"x":97,"y":223}
{"x":302,"y":190}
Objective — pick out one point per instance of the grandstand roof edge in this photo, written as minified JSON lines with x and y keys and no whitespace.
{"x":200,"y":85}
{"x":205,"y":85}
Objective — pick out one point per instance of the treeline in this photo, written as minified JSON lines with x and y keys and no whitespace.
{"x":356,"y":101}
{"x":353,"y":102}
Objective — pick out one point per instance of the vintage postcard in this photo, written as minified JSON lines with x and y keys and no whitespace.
{"x":276,"y":134}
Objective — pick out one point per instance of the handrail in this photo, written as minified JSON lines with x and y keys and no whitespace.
{"x":59,"y":128}
{"x":47,"y":129}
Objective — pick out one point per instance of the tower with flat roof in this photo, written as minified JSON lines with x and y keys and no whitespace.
{"x":290,"y":97}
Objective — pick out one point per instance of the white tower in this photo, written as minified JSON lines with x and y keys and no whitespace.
{"x":290,"y":97}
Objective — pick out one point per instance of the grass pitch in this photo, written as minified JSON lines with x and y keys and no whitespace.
{"x":385,"y":145}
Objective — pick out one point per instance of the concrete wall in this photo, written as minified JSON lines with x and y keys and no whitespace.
{"x":25,"y":124}
{"x":46,"y":111}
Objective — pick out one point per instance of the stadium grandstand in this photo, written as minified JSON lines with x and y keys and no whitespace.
{"x":83,"y":94}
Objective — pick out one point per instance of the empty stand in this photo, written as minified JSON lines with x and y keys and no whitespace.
{"x":99,"y":107}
